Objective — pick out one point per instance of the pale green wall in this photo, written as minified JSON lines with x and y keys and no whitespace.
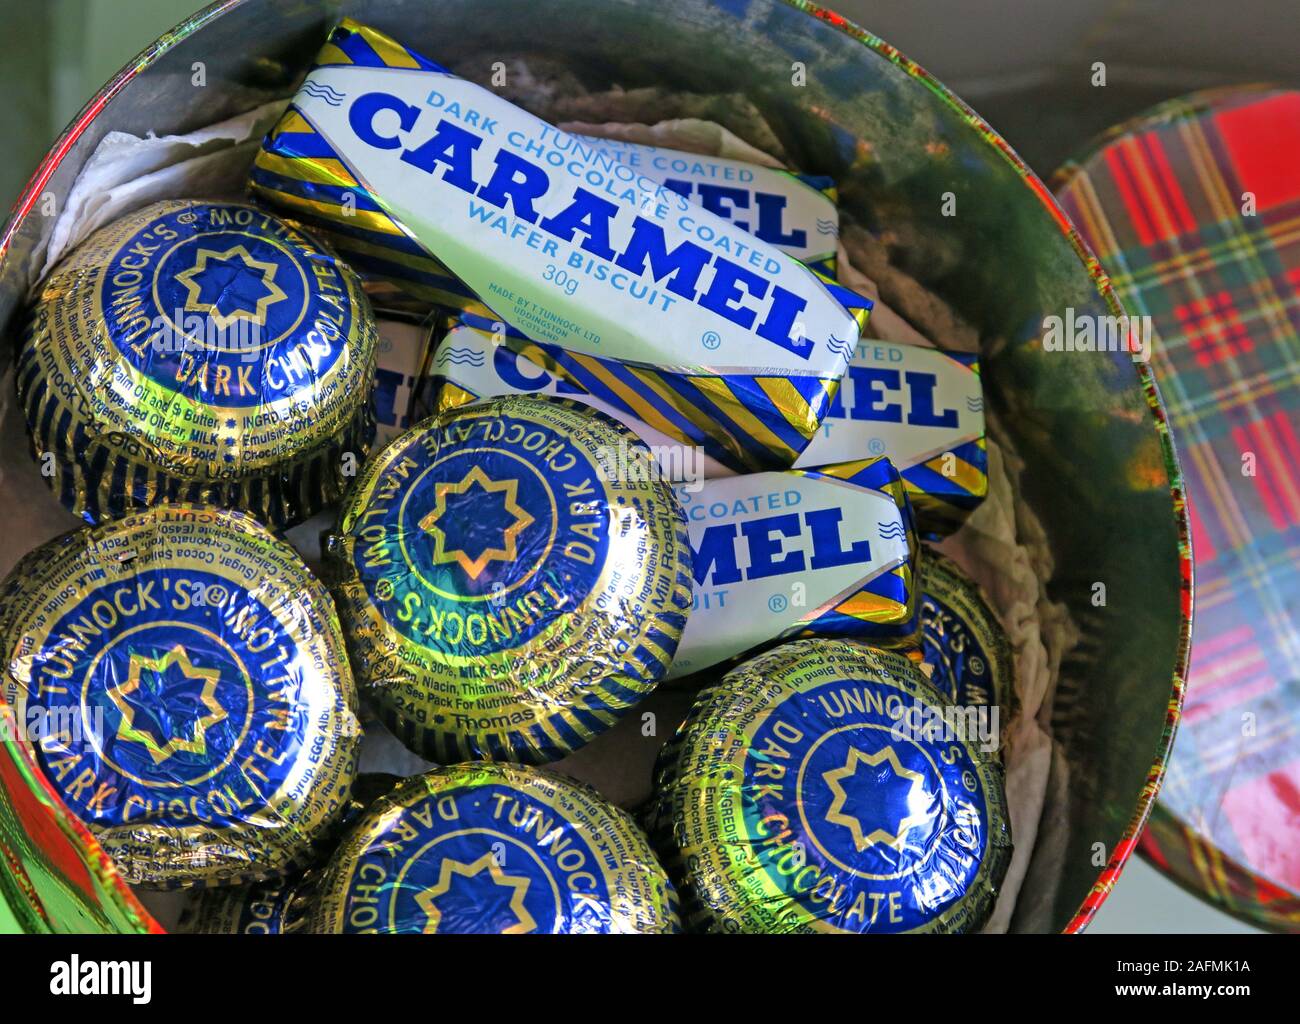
{"x":54,"y":55}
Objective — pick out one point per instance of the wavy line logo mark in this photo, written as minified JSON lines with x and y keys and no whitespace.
{"x":461,"y":356}
{"x":840,"y":346}
{"x":828,"y":227}
{"x":891,"y":531}
{"x":324,"y":93}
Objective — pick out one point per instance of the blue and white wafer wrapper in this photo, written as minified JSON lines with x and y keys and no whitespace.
{"x":795,"y":213}
{"x":920,"y":407}
{"x":829,"y":552}
{"x":417,"y":174}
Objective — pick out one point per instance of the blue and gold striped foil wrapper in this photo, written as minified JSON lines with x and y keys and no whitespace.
{"x":743,"y":353}
{"x":922,"y":407}
{"x":199,"y":351}
{"x":828,"y":552}
{"x":512,"y":578}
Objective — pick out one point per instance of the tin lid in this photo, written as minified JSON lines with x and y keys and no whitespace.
{"x":1190,"y":208}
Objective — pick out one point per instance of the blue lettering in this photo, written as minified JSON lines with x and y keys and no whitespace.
{"x":723,"y":293}
{"x":717,"y":547}
{"x":764,"y":544}
{"x":922,"y":413}
{"x":778,"y":328}
{"x":725,"y":201}
{"x":589,"y":214}
{"x":771,"y":215}
{"x":685,"y":263}
{"x":867,"y":400}
{"x":828,"y":550}
{"x":361,"y":118}
{"x":520,"y":181}
{"x":452,"y":146}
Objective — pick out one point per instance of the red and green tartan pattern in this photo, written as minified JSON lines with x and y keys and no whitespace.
{"x":1194,"y":210}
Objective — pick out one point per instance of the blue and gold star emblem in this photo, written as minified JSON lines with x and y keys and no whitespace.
{"x":230,"y":286}
{"x":917,"y":801}
{"x":476,"y":522}
{"x":156,"y":735}
{"x":482,"y":890}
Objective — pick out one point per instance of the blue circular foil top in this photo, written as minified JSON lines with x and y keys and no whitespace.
{"x":512,"y":576}
{"x":219,"y":303}
{"x":173,"y":699}
{"x":193,"y":694}
{"x":494,"y":849}
{"x":874,"y":810}
{"x":819,"y":788}
{"x":489,"y":514}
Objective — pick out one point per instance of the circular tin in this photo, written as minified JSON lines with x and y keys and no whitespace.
{"x":819,"y":788}
{"x":962,"y":641}
{"x":199,"y":351}
{"x":187,"y":689}
{"x":494,"y":848}
{"x":512,"y":577}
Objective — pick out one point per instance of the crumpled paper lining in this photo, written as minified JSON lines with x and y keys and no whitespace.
{"x":1002,"y":545}
{"x":127,"y":172}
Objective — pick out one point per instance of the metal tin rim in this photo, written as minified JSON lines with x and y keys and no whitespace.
{"x":1106,"y":879}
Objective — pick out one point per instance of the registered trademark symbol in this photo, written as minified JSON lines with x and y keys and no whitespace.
{"x":186,"y":218}
{"x":711,"y":340}
{"x":776,"y":603}
{"x":876,"y":446}
{"x":384,"y":589}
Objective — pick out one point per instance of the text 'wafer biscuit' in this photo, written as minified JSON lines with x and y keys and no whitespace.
{"x":494,"y":849}
{"x":512,"y":577}
{"x":829,"y":552}
{"x":199,"y":351}
{"x":424,"y":177}
{"x":922,"y":408}
{"x":192,"y":689}
{"x":819,"y":788}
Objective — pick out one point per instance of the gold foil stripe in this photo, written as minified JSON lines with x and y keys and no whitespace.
{"x":796,"y":411}
{"x":722,"y":396}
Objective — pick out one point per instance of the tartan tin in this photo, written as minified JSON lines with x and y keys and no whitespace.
{"x":1194,"y":208}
